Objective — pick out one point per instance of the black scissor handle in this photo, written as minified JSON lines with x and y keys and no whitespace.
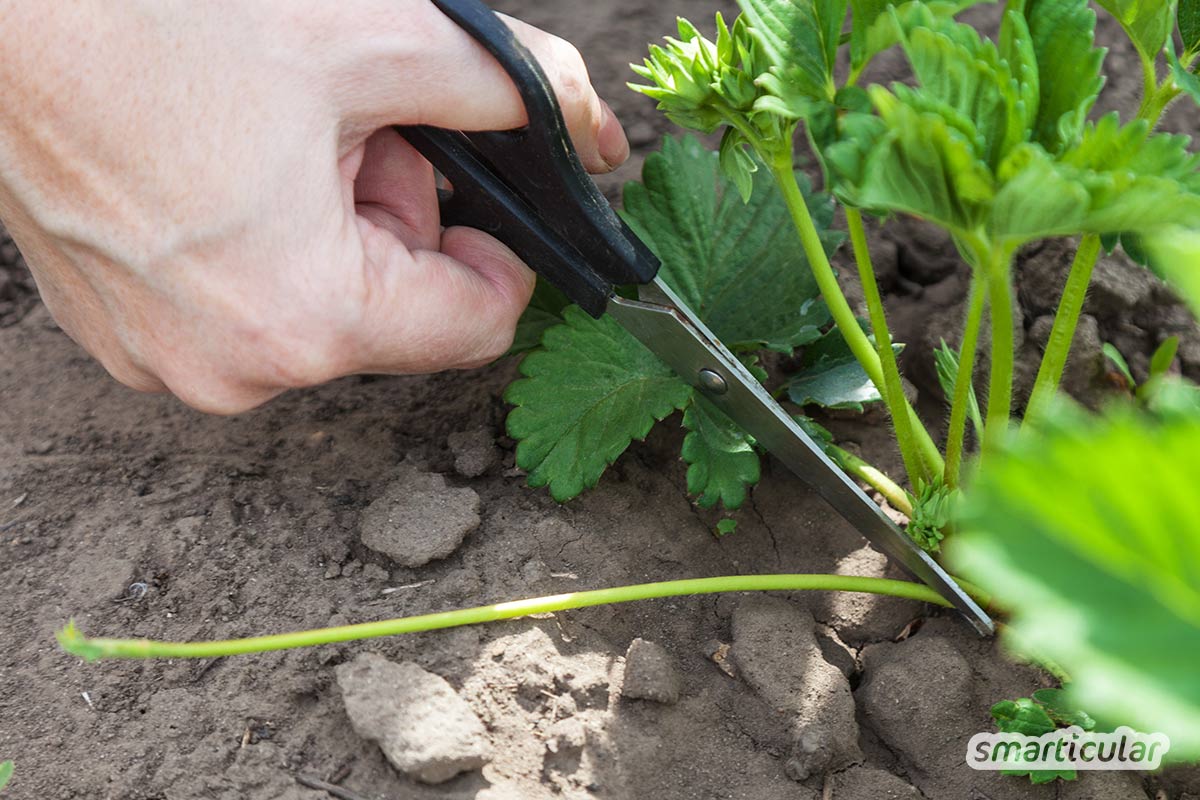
{"x":527,"y":187}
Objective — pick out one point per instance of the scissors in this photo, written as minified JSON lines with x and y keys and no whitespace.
{"x":527,"y":188}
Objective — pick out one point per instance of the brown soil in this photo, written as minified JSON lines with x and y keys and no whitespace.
{"x":251,"y":525}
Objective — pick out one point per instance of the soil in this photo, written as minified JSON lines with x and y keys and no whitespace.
{"x":138,"y":517}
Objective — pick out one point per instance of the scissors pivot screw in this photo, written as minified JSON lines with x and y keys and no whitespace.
{"x":712,"y":382}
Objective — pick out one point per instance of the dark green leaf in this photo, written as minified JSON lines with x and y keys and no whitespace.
{"x":1188,"y":16}
{"x":832,"y":377}
{"x":1086,"y":530}
{"x":720,"y":457}
{"x":1185,"y":79}
{"x":544,"y":310}
{"x":739,"y":266}
{"x":878,"y":28}
{"x":726,"y":526}
{"x":1060,"y":709}
{"x":585,"y":396}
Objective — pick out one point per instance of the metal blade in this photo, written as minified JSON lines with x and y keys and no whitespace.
{"x":676,"y":336}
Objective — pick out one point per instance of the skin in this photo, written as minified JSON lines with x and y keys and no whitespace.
{"x":213,"y":204}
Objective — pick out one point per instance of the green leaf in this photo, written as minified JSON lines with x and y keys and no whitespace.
{"x":912,"y":160}
{"x":1164,"y":357}
{"x":1118,"y":360}
{"x":1148,"y":23}
{"x":1062,"y":33}
{"x":947,"y":370}
{"x":6,"y":771}
{"x":1117,"y":179}
{"x":801,"y":38}
{"x":1059,"y":708}
{"x":1174,"y":254}
{"x":1188,"y":17}
{"x":1086,"y":531}
{"x":832,"y":377}
{"x":933,"y":510}
{"x":738,"y":265}
{"x":1185,"y":79}
{"x":544,"y":311}
{"x":963,"y":77}
{"x":585,"y":396}
{"x":1025,"y":717}
{"x":726,"y":526}
{"x":876,"y":30}
{"x":720,"y":457}
{"x":1022,"y":716}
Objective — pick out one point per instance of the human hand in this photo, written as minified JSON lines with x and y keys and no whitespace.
{"x":213,"y":203}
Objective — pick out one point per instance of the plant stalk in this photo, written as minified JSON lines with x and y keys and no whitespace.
{"x":839,"y":308}
{"x":873,"y":477}
{"x":893,"y":386}
{"x":1066,"y":319}
{"x":90,"y":649}
{"x":1000,"y":384}
{"x":960,"y":405}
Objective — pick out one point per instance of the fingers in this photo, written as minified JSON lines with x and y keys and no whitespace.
{"x":426,"y":70}
{"x":395,"y":190}
{"x":431,"y":310}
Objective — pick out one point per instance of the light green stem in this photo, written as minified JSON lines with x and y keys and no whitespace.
{"x":839,"y":308}
{"x":961,"y":402}
{"x":89,"y":649}
{"x":873,"y":477}
{"x":1066,"y":319}
{"x":893,"y":386}
{"x":1155,"y":100}
{"x":999,"y":403}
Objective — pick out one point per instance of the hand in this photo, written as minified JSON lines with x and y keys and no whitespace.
{"x":213,"y":203}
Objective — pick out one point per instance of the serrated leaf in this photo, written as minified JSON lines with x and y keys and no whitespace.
{"x":726,"y":526}
{"x":801,"y":39}
{"x":585,"y":396}
{"x":544,"y":311}
{"x":1117,"y":179}
{"x":1060,"y":709}
{"x":876,"y":30}
{"x":1188,"y":18}
{"x":720,"y":456}
{"x":1062,"y":34}
{"x":1022,"y":716}
{"x":1148,"y":23}
{"x":738,"y":265}
{"x":832,"y":377}
{"x":1086,"y":531}
{"x":911,"y":160}
{"x":963,"y":77}
{"x":1184,"y":78}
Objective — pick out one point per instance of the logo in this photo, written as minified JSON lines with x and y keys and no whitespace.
{"x":1068,"y":748}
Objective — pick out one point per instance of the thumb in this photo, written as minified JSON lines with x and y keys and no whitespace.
{"x":417,"y":67}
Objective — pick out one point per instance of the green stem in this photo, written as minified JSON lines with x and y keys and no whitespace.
{"x":1155,"y":100}
{"x":89,"y":649}
{"x":839,"y":308}
{"x":1066,"y":319}
{"x":1000,"y":384}
{"x":960,"y":405}
{"x":893,"y":386}
{"x":873,"y":477}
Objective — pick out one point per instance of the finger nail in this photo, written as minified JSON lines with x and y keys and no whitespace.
{"x":611,"y":141}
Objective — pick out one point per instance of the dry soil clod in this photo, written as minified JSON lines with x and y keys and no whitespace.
{"x":423,"y":727}
{"x":418,"y":518}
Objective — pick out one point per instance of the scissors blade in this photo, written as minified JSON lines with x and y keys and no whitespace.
{"x":672,"y":332}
